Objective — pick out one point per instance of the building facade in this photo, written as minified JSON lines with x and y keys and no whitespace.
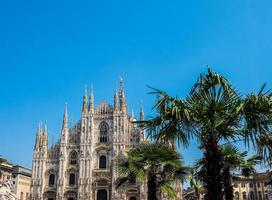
{"x":81,"y":164}
{"x":15,"y":181}
{"x":6,"y":169}
{"x":255,"y":187}
{"x":21,"y":182}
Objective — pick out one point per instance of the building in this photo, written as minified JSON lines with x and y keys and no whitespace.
{"x":15,"y":181}
{"x":81,"y":164}
{"x":21,"y":182}
{"x":255,"y":187}
{"x":6,"y":169}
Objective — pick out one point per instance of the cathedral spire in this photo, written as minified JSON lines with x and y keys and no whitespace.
{"x":64,"y":130}
{"x":123,"y":104}
{"x":38,"y":137}
{"x":85,"y":100}
{"x":142,"y":112}
{"x":116,"y":101}
{"x":91,"y":103}
{"x":65,"y":118}
{"x":45,"y":136}
{"x":132,"y":113}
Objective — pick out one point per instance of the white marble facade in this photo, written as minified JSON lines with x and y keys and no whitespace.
{"x":81,"y":164}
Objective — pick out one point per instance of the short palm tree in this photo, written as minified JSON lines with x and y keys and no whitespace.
{"x":212,"y":112}
{"x":157,"y":164}
{"x":194,"y":182}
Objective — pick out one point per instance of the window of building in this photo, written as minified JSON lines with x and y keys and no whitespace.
{"x":251,"y":185}
{"x":244,"y":196}
{"x":72,"y":179}
{"x":73,"y":158}
{"x":102,"y":162}
{"x":103,"y":135}
{"x":260,"y":195}
{"x":27,"y":196}
{"x":243,"y":185}
{"x":252,"y":196}
{"x":132,"y":198}
{"x":51,"y":180}
{"x":259,"y":184}
{"x":102,"y":195}
{"x":236,"y":196}
{"x":22,"y":196}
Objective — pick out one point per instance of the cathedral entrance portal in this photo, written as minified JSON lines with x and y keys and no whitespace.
{"x":102,"y":195}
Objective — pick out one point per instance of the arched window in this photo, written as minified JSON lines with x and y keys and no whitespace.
{"x":73,"y":158}
{"x":102,"y":162}
{"x":132,"y":198}
{"x":51,"y":180}
{"x":103,"y":134}
{"x":72,"y":179}
{"x":102,"y":195}
{"x":236,"y":196}
{"x":244,"y":196}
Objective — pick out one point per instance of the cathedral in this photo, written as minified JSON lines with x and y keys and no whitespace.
{"x":81,"y":164}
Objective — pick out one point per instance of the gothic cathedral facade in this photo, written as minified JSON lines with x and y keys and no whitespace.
{"x":80,"y":166}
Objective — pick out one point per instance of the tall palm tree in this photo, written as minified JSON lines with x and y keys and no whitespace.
{"x":212,"y":112}
{"x":157,"y":164}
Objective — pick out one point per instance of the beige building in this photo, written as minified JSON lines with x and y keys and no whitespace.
{"x":256,"y":187}
{"x":253,"y":187}
{"x":21,"y":182}
{"x":6,"y":169}
{"x":16,"y":179}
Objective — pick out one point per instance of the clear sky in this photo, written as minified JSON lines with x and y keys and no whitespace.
{"x":50,"y":49}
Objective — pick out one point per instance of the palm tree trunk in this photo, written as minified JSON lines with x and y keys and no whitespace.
{"x":228,"y":189}
{"x":213,"y":165}
{"x":152,"y":187}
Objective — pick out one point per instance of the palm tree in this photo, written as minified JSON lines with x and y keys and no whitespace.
{"x":212,"y":112}
{"x":157,"y":164}
{"x":236,"y":160}
{"x":233,"y":160}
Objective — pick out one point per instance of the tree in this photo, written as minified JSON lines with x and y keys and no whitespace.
{"x":157,"y":164}
{"x":214,"y":111}
{"x":233,"y":160}
{"x":194,"y":182}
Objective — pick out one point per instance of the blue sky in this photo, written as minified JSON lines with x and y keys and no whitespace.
{"x":50,"y":49}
